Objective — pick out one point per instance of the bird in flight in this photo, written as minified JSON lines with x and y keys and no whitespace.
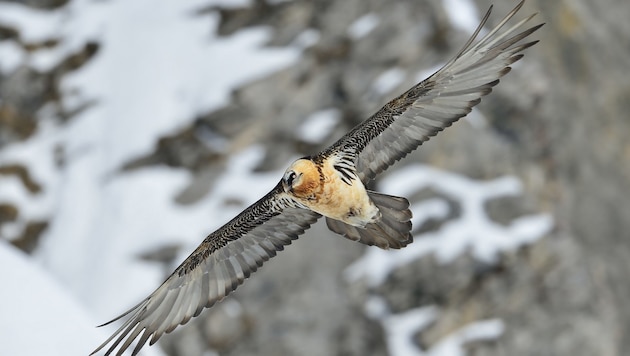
{"x":332,"y":184}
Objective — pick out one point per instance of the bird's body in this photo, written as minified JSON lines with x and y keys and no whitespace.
{"x":331,"y":183}
{"x":332,"y":190}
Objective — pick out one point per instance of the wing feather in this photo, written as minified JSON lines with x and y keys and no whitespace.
{"x":438,"y":101}
{"x":218,"y":266}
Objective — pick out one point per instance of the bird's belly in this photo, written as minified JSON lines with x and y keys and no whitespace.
{"x":348,"y":203}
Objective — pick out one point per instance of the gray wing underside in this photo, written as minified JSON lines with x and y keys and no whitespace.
{"x":437,"y":102}
{"x":217,"y":267}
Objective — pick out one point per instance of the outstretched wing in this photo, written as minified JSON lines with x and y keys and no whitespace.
{"x":406,"y":122}
{"x":220,"y":264}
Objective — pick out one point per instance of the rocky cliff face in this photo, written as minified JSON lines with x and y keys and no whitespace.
{"x":558,"y":122}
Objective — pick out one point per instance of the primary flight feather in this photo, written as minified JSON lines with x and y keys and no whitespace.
{"x":331,"y":184}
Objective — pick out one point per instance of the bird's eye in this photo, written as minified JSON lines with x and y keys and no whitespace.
{"x":291,"y":178}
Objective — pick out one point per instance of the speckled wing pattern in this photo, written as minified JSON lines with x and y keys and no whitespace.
{"x":222,"y":262}
{"x":406,"y":122}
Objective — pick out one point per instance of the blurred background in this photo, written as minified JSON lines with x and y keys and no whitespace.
{"x":129,"y":130}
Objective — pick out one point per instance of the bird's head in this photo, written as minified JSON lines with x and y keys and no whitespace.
{"x":302,"y":178}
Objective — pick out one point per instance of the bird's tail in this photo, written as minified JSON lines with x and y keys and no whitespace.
{"x":392,"y":230}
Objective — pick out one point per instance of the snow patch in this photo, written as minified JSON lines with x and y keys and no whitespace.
{"x":34,"y":25}
{"x":39,"y":316}
{"x":154,"y":71}
{"x":362,"y":26}
{"x":401,"y":330}
{"x":307,"y":38}
{"x":463,"y":14}
{"x":11,"y":56}
{"x":319,"y":125}
{"x":388,"y":81}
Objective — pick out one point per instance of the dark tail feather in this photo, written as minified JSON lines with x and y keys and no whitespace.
{"x":391,"y":231}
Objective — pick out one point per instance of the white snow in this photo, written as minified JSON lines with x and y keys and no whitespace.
{"x":319,"y":125}
{"x":35,"y":25}
{"x":476,"y":118}
{"x":362,"y":26}
{"x":388,"y":81}
{"x":435,"y":208}
{"x":463,"y":14}
{"x":307,"y":38}
{"x":154,"y":71}
{"x":401,"y":330}
{"x":39,"y":316}
{"x":11,"y":56}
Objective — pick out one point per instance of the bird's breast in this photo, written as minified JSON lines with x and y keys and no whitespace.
{"x":339,"y":200}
